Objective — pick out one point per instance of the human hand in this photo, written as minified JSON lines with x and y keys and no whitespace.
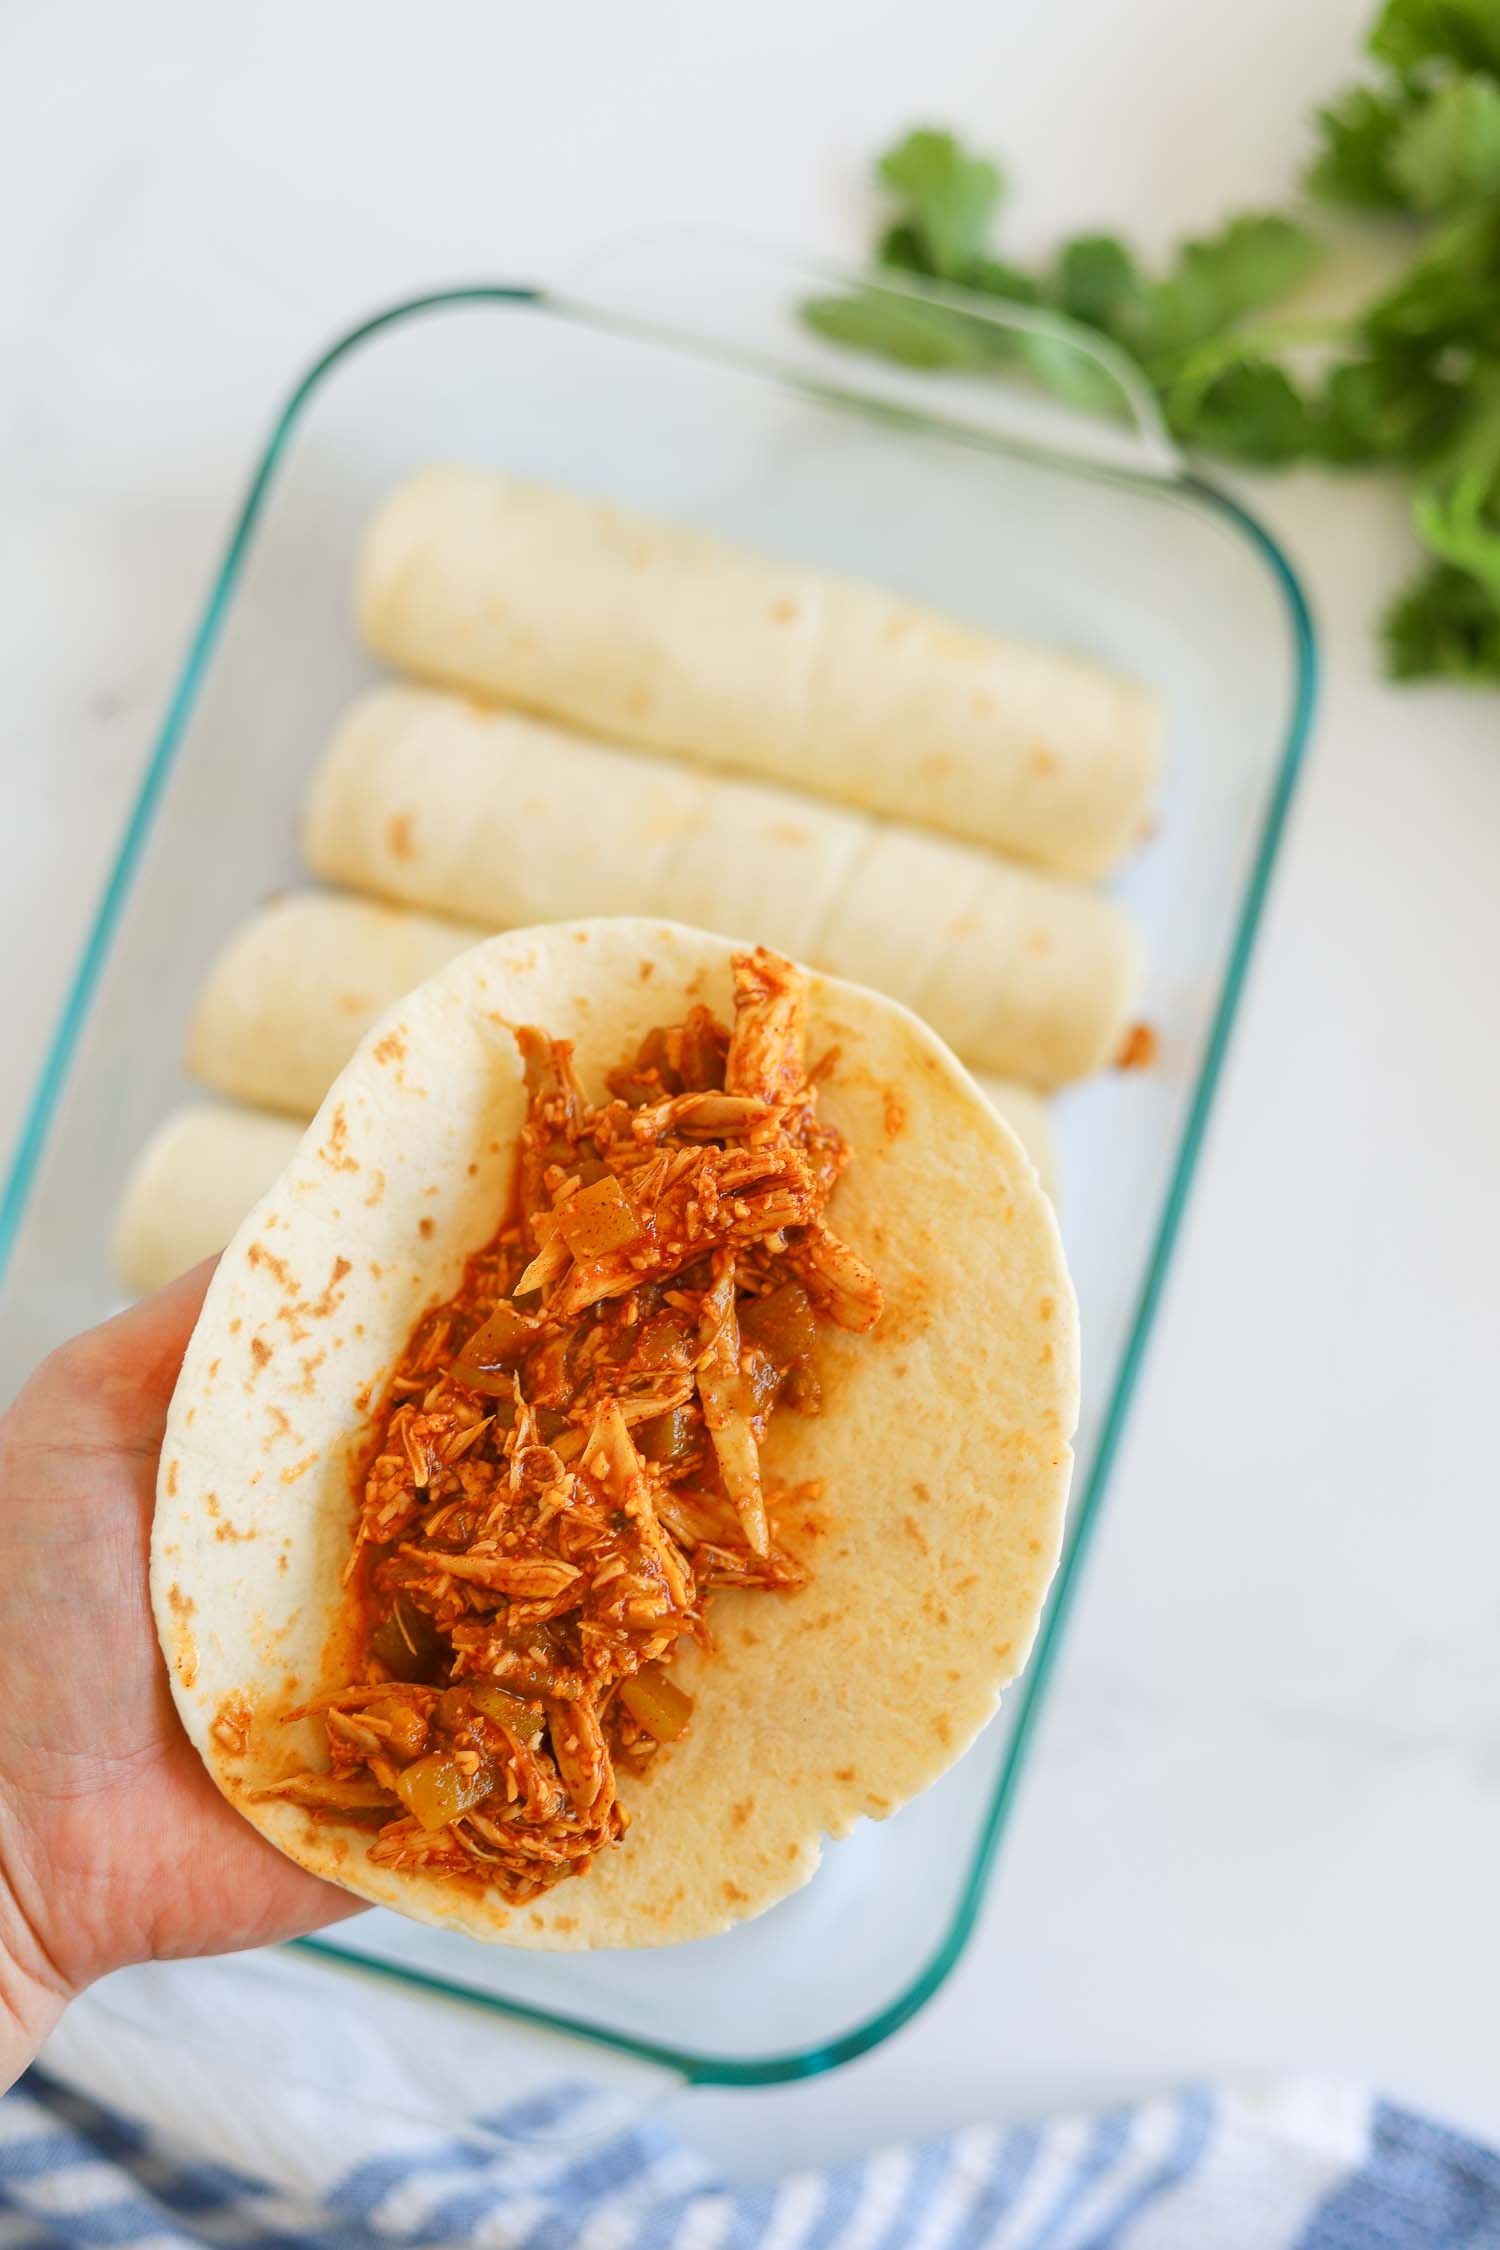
{"x":115,"y":1846}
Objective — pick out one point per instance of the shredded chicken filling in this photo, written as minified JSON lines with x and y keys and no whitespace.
{"x":567,"y":1462}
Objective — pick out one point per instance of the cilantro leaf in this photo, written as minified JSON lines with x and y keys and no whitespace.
{"x":1449,"y":150}
{"x":1249,"y":410}
{"x":1447,"y":294}
{"x":1097,"y":280}
{"x":1444,"y":626}
{"x":1457,"y":508}
{"x":1071,"y":372}
{"x":1250,"y":263}
{"x":906,"y":330}
{"x":1411,"y":36}
{"x":992,"y":277}
{"x":1395,"y":405}
{"x":949,"y":196}
{"x":1358,"y":131}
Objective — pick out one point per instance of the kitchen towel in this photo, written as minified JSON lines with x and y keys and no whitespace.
{"x":565,"y":2167}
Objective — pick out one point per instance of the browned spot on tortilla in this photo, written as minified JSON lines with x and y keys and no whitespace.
{"x":186,"y":1658}
{"x":1043,"y":760}
{"x":740,"y":1813}
{"x":298,"y":1469}
{"x":390,"y":1049}
{"x":362,"y":1398}
{"x":784,"y":612}
{"x":881,"y":1804}
{"x":231,"y":1724}
{"x":211,"y":1503}
{"x":281,"y":1561}
{"x":916,"y":1534}
{"x":733,"y":1895}
{"x":190,"y":1417}
{"x":260,"y":1352}
{"x":236,"y":1325}
{"x":473,"y":1171}
{"x":825,"y":1066}
{"x":377,"y":1190}
{"x":424,"y":1229}
{"x":232,"y":1533}
{"x":213,"y":1368}
{"x":895,"y":1113}
{"x":335,"y":1150}
{"x":278,"y":1421}
{"x":843,"y":1773}
{"x":646,"y":971}
{"x":259,"y":1255}
{"x":398,"y":835}
{"x":565,"y":1923}
{"x":309,"y":1363}
{"x":171,"y":1480}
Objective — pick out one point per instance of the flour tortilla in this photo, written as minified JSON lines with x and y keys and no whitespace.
{"x":501,"y":820}
{"x":659,"y":635}
{"x":943,"y":1448}
{"x":289,"y":998}
{"x":297,"y":987}
{"x":191,"y":1186}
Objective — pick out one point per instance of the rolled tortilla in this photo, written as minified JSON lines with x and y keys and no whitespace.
{"x":191,"y":1186}
{"x":503,"y":820}
{"x":661,"y":636}
{"x":939,"y":1466}
{"x":289,"y":999}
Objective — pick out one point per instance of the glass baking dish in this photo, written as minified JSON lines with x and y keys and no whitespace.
{"x":682,"y":378}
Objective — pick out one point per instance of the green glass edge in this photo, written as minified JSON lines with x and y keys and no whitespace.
{"x":699,"y":2068}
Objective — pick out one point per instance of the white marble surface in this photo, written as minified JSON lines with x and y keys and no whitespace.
{"x":1263,"y":1825}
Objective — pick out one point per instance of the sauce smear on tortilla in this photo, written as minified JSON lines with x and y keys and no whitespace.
{"x":566,"y":1463}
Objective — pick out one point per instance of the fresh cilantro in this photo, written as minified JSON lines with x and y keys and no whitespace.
{"x":949,"y":195}
{"x":1457,"y":508}
{"x":1390,"y":406}
{"x":1359,"y":131}
{"x":1250,"y":263}
{"x":904,"y":329}
{"x":1250,"y":410}
{"x":1411,"y":383}
{"x":1445,"y":626}
{"x":1097,"y":281}
{"x":1416,"y":38}
{"x":1448,"y":152}
{"x":1448,"y":296}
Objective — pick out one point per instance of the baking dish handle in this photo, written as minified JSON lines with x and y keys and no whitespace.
{"x":1029,"y":380}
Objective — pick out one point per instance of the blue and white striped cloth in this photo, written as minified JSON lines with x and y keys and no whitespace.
{"x":1317,"y":2168}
